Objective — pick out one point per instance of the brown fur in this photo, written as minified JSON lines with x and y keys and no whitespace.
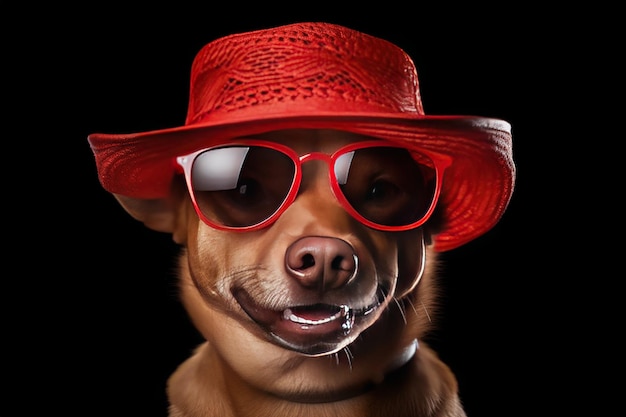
{"x":239,"y":371}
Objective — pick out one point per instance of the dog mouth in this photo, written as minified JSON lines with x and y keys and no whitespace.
{"x":316,"y":329}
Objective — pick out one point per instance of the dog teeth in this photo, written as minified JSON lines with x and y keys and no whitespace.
{"x":289,"y":315}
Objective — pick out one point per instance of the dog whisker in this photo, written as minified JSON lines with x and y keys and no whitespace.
{"x":236,"y":275}
{"x":426,"y":311}
{"x":401,"y":308}
{"x":408,"y":300}
{"x":257,"y":288}
{"x":247,"y":272}
{"x":349,"y":356}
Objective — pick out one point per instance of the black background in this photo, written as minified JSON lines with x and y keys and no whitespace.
{"x":100,"y":313}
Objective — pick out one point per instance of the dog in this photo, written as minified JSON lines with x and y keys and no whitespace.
{"x":309,"y":245}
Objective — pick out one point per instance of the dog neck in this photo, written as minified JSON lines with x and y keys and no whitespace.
{"x":399,"y":361}
{"x":222,"y":393}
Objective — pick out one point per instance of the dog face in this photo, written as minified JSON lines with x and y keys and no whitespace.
{"x":315,"y":303}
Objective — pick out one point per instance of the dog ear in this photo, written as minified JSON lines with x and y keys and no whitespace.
{"x":167,"y":215}
{"x":157,"y":214}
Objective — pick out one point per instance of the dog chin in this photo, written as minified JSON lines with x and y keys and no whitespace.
{"x":317,"y":329}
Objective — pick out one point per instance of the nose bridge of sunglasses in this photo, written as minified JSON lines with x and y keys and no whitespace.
{"x":315,"y":168}
{"x":315,"y":197}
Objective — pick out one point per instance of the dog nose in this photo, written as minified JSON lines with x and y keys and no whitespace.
{"x":321,"y":262}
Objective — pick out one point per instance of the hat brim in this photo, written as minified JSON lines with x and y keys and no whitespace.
{"x":476,"y":190}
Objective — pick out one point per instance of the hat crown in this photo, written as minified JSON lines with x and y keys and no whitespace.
{"x":312,"y":66}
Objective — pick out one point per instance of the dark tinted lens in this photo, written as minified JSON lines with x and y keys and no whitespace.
{"x":386,"y":185}
{"x":241,"y":185}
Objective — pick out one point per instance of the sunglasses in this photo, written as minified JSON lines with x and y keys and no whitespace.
{"x":248,"y":184}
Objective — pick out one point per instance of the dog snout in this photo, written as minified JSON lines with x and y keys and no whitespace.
{"x":319,"y":262}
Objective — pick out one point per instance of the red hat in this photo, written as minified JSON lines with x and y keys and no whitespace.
{"x":319,"y":75}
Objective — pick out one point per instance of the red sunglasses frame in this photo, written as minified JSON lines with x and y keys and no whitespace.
{"x":440,"y":163}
